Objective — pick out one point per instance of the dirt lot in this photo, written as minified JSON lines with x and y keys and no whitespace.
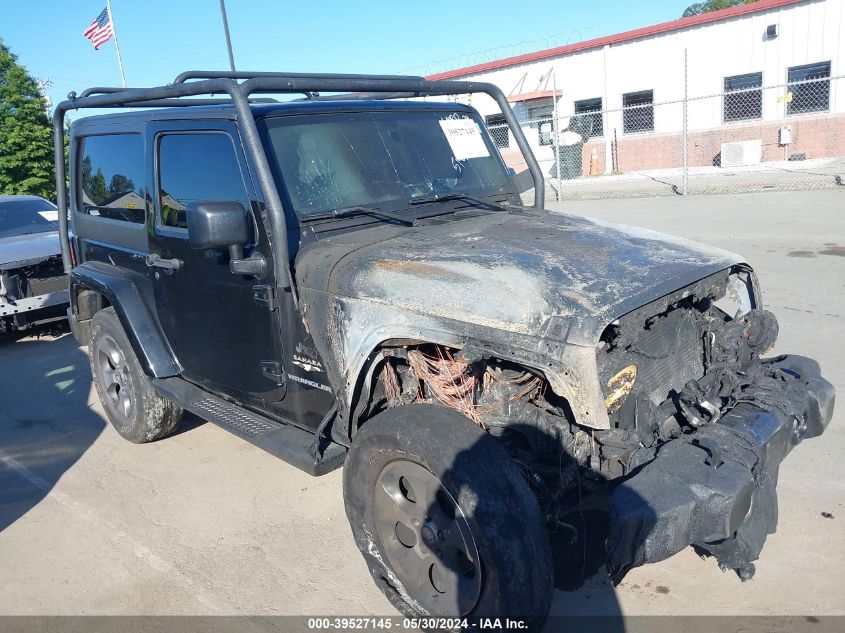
{"x":203,"y":523}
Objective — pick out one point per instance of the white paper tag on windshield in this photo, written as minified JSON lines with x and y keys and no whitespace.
{"x":464,"y":138}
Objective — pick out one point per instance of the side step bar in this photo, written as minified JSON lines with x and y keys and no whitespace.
{"x":282,"y":440}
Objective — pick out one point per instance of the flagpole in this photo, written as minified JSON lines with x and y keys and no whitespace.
{"x":116,"y":45}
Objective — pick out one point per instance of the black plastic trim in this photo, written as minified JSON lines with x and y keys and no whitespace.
{"x":118,"y":287}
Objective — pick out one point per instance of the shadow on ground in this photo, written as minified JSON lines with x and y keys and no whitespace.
{"x":46,"y":424}
{"x":581,"y":577}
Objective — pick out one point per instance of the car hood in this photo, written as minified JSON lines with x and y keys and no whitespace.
{"x":512,"y":271}
{"x":25,"y":250}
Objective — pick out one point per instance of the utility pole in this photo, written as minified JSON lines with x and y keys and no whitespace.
{"x":226,"y":31}
{"x":686,"y":125}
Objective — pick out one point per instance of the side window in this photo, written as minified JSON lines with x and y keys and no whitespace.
{"x":743,"y":97}
{"x":589,"y":112}
{"x":111,"y":177}
{"x":540,"y":114}
{"x":194,"y":167}
{"x":810,"y":88}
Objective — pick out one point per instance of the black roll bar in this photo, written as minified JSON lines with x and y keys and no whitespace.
{"x":220,"y":82}
{"x":182,"y":102}
{"x":241,"y":74}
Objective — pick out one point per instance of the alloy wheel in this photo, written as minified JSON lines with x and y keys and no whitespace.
{"x":427,"y":539}
{"x":113,"y":376}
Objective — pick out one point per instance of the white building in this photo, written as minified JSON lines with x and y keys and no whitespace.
{"x":635,"y":83}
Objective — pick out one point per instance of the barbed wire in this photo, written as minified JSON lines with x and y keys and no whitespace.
{"x":502,"y":51}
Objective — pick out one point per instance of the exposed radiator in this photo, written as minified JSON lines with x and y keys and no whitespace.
{"x":668,"y":356}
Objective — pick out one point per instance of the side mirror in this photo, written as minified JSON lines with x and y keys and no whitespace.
{"x":217,"y":224}
{"x":224,"y":224}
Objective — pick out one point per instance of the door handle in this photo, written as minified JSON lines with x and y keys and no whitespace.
{"x":156,"y":261}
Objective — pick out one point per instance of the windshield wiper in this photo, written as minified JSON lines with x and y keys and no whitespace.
{"x":446,"y":197}
{"x":352,"y":211}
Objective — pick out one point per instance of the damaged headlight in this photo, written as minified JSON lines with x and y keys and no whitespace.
{"x":739,"y":296}
{"x":618,"y":388}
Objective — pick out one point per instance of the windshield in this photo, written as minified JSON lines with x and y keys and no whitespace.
{"x":383,"y":158}
{"x":21,"y":217}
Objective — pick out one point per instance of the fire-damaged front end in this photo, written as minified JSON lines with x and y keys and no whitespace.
{"x":700,"y":423}
{"x":623,"y":370}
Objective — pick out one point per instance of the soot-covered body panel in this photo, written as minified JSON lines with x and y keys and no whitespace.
{"x":542,"y":285}
{"x":513,"y":271}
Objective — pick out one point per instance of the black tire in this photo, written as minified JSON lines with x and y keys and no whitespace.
{"x":135,"y":410}
{"x":499,"y":509}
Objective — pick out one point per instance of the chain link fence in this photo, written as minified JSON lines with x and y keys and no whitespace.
{"x":749,"y":137}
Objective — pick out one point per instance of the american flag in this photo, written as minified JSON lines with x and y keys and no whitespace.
{"x":100,"y":30}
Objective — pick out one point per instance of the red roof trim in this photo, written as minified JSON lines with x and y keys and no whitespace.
{"x":674,"y":25}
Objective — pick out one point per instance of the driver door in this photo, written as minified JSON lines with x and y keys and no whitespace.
{"x":223,"y":338}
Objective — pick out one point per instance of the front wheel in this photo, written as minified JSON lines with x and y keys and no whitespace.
{"x":447,"y":524}
{"x":133,"y":407}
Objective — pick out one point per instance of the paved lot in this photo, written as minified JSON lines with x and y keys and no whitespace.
{"x":203,"y":523}
{"x":766,"y":177}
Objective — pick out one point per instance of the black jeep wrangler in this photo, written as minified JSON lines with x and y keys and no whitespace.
{"x":349,"y":278}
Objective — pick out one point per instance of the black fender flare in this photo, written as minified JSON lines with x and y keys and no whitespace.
{"x":120,"y":288}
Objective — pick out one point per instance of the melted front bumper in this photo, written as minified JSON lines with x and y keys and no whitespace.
{"x":715,"y":488}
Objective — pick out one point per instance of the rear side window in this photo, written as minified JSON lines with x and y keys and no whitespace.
{"x":195,"y":167}
{"x":111,"y":177}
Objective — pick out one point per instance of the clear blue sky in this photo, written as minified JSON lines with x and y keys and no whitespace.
{"x":161,"y":38}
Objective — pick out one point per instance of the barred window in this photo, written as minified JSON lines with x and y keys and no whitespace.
{"x":498,"y":128}
{"x":638,"y":111}
{"x":589,"y":111}
{"x":743,"y":97}
{"x":540,"y":113}
{"x":810,"y":88}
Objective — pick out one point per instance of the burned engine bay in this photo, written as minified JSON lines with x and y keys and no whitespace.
{"x":700,"y":422}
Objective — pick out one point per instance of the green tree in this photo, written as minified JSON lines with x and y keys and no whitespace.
{"x":94,"y":184}
{"x":712,"y":5}
{"x":120,"y":184}
{"x":26,"y":141}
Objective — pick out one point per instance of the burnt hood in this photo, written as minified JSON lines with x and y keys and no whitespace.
{"x":511,"y":271}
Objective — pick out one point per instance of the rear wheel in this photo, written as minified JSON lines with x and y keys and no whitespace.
{"x":444,"y":519}
{"x":135,"y":410}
